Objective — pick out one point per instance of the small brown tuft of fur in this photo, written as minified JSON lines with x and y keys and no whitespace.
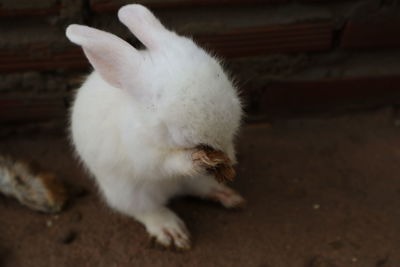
{"x":215,"y":162}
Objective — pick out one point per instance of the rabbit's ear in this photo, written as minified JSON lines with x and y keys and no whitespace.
{"x":111,"y":56}
{"x":143,"y":24}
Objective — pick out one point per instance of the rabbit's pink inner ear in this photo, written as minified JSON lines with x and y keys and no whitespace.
{"x":110,"y":56}
{"x":109,"y":69}
{"x":143,"y":24}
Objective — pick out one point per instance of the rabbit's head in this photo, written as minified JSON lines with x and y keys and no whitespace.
{"x":179,"y":85}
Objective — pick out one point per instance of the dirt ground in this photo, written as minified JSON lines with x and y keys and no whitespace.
{"x":321,"y":193}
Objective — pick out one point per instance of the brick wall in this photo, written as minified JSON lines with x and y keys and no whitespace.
{"x":288,"y":56}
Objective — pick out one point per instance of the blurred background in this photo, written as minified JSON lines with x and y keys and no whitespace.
{"x":289,"y":56}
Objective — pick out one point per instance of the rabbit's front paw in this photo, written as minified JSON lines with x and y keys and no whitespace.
{"x":167,"y":230}
{"x":227,"y":197}
{"x":215,"y":162}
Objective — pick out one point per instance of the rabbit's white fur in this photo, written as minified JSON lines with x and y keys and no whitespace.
{"x":139,"y":115}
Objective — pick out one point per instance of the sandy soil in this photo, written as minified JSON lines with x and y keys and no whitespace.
{"x":321,"y":192}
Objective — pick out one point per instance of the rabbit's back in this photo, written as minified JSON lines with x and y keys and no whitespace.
{"x":106,"y":128}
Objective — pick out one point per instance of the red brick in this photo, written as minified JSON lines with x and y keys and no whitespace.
{"x":239,"y":43}
{"x":18,"y":109}
{"x":28,"y":12}
{"x":381,"y":33}
{"x":27,"y":59}
{"x":329,"y":94}
{"x":270,"y":39}
{"x":100,"y":6}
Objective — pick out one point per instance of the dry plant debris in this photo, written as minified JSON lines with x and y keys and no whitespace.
{"x":32,"y":187}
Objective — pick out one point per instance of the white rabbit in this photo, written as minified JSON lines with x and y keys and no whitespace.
{"x":138,"y":117}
